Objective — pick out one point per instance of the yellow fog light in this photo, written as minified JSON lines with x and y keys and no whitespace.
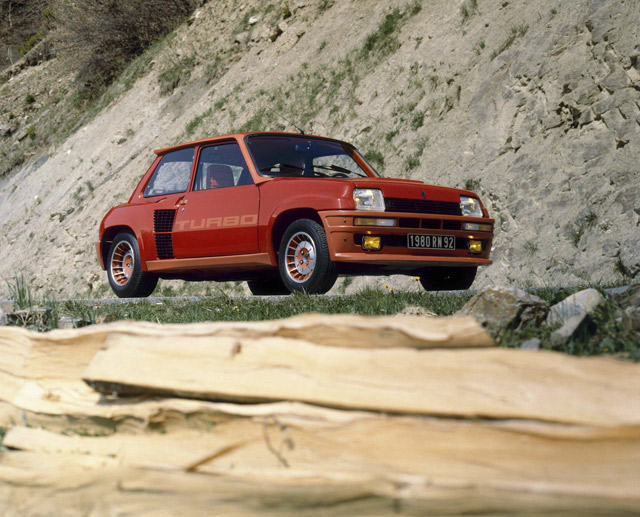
{"x":475,"y":246}
{"x":371,"y":242}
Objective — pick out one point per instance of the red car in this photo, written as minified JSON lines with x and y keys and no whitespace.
{"x":287,"y":212}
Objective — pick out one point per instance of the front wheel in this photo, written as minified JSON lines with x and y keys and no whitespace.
{"x":448,"y":278}
{"x":124,"y":269}
{"x":304,"y":261}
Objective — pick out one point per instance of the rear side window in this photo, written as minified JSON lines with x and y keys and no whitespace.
{"x":172,"y":173}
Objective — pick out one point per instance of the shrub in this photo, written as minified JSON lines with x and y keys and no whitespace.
{"x":100,"y":37}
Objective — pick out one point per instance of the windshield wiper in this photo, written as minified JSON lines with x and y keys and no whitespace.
{"x":283,"y":169}
{"x":337,"y":168}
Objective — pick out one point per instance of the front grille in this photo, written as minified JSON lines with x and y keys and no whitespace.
{"x":164,"y":246}
{"x":163,"y":220}
{"x":420,"y":206}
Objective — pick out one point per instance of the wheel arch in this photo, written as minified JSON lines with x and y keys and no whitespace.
{"x":283,"y":221}
{"x":109,"y":234}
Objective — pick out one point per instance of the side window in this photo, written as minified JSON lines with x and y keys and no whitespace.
{"x":222,"y":166}
{"x":172,"y":173}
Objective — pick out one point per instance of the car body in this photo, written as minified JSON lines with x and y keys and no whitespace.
{"x":287,"y":212}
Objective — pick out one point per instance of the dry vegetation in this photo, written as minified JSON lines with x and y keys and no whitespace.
{"x":100,"y":37}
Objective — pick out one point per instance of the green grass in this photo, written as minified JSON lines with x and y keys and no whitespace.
{"x":20,"y":293}
{"x":384,"y":40}
{"x":517,"y":31}
{"x":606,"y":334}
{"x":468,"y":9}
{"x":196,"y":122}
{"x":225,"y":308}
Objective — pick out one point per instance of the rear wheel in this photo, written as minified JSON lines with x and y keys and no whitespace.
{"x":267,"y":286}
{"x":304,"y":261}
{"x":448,"y":278}
{"x":124,"y":269}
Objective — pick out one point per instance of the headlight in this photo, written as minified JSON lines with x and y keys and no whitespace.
{"x":368,"y":199}
{"x":470,"y":206}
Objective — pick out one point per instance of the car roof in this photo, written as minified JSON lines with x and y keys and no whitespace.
{"x":237,"y":136}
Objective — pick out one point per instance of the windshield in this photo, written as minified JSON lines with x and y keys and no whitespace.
{"x":289,"y":155}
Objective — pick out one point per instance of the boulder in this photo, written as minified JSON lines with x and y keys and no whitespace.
{"x":500,"y":308}
{"x":574,"y":315}
{"x":578,"y":304}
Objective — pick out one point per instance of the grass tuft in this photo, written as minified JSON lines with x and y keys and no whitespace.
{"x":517,"y":31}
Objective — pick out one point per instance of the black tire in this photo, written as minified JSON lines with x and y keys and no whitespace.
{"x":448,"y":278}
{"x":268,"y":287}
{"x":304,"y":261}
{"x":123,"y":268}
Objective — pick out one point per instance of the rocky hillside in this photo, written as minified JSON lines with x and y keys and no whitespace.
{"x":534,"y":105}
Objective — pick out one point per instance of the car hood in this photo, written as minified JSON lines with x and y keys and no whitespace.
{"x":412,"y":189}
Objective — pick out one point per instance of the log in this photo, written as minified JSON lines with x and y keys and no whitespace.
{"x":483,"y":383}
{"x":427,"y":464}
{"x":413,"y":423}
{"x":40,"y":375}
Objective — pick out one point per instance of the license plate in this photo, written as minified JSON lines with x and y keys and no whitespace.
{"x":431,"y":242}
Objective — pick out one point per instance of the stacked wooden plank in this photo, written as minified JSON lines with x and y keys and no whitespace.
{"x":314,"y":415}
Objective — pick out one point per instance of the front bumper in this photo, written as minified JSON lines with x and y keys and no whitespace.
{"x":345,"y":239}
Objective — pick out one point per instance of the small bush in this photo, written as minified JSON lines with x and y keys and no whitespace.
{"x":417,"y":121}
{"x":472,"y":184}
{"x":468,"y":9}
{"x":175,"y":74}
{"x":384,"y":40}
{"x":375,"y":157}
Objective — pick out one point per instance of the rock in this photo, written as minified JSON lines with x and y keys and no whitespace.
{"x":106,"y":318}
{"x":3,"y":318}
{"x":31,"y":317}
{"x":415,"y":310}
{"x":574,"y":315}
{"x":242,"y":38}
{"x":5,"y":130}
{"x":569,"y":329}
{"x":616,"y":80}
{"x":275,"y":33}
{"x":7,"y":305}
{"x":501,"y":308}
{"x":71,"y":322}
{"x":531,"y":344}
{"x":578,"y":304}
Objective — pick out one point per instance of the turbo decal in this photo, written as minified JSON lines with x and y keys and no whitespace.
{"x":231,"y":221}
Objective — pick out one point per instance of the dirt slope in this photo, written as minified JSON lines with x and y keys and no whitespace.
{"x":533,"y":105}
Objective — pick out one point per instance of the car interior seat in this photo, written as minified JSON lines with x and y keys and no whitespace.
{"x":219,"y":176}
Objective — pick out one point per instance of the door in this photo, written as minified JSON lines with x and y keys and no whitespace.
{"x":219,"y":216}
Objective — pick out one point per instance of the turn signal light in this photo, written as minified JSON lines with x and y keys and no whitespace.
{"x":371,"y":242}
{"x":477,"y":227}
{"x":374,"y":221}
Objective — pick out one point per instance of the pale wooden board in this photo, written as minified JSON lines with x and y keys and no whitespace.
{"x":370,"y":466}
{"x":171,"y":455}
{"x":556,"y":459}
{"x":485,"y":383}
{"x":40,"y":374}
